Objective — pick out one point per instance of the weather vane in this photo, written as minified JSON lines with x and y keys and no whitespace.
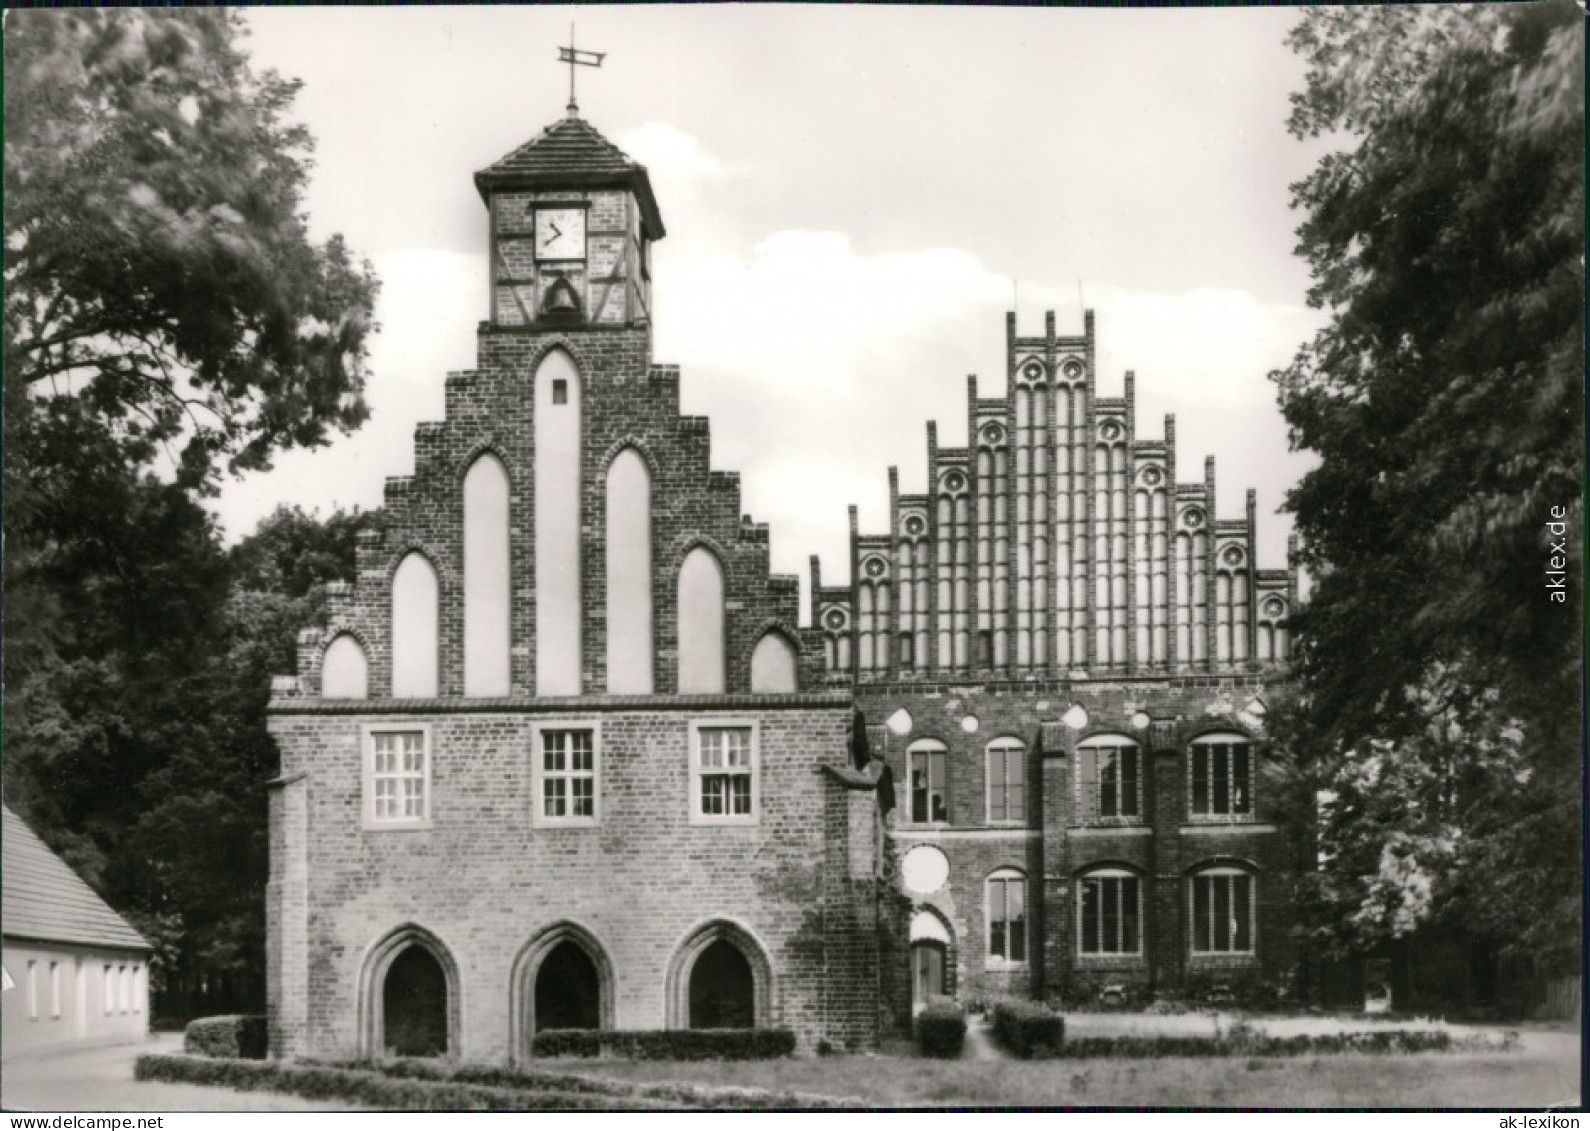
{"x":576,"y":58}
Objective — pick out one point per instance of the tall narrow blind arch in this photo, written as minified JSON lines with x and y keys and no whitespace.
{"x":701,"y":644}
{"x":414,"y":629}
{"x":344,"y":671}
{"x":629,"y":633}
{"x":557,"y":525}
{"x":773,"y":665}
{"x":486,"y":602}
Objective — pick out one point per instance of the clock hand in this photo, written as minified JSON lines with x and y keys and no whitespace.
{"x":557,"y":232}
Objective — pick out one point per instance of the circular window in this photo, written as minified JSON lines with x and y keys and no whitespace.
{"x":1153,"y":477}
{"x":1032,"y":370}
{"x":993,"y":434}
{"x":914,"y":524}
{"x":1072,"y":368}
{"x":874,"y":567}
{"x":924,"y":869}
{"x":954,"y":481}
{"x":1232,"y":556}
{"x":1192,"y":518}
{"x":835,"y":619}
{"x":1274,"y":607}
{"x":1111,"y":431}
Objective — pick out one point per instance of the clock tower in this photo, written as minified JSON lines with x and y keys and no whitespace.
{"x":572,"y":223}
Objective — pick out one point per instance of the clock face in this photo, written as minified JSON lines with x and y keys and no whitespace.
{"x":560,"y":233}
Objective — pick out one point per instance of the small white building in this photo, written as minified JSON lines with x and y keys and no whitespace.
{"x":74,"y":971}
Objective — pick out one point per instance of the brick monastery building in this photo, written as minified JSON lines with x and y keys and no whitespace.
{"x":563,"y":756}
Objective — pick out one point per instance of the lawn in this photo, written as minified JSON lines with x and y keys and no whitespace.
{"x":1543,"y":1072}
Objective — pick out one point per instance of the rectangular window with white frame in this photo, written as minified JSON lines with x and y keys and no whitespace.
{"x":1005,"y":904}
{"x":567,"y":773}
{"x":1006,"y":777}
{"x":725,"y":772}
{"x":397,"y":776}
{"x":929,"y":791}
{"x":1109,"y":914}
{"x":1222,"y":912}
{"x":1222,"y":778}
{"x":1109,"y":780}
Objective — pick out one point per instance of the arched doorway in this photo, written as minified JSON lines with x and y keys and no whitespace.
{"x":414,"y":1005}
{"x":568,"y":991}
{"x":927,"y":973}
{"x":722,"y":989}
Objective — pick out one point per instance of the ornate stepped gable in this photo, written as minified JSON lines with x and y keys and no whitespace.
{"x":415,"y":576}
{"x":1058,"y":543}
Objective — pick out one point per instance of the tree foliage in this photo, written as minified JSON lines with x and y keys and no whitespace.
{"x":158,"y":268}
{"x":1440,"y":674}
{"x":167,"y":319}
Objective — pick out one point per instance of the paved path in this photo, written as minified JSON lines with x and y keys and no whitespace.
{"x":980,"y":1043}
{"x":101,"y":1079}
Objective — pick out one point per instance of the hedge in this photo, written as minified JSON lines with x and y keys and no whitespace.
{"x":241,"y":1035}
{"x":1250,"y":1041}
{"x":535,"y":1079}
{"x":941,"y":1030}
{"x":1029,"y":1028}
{"x":666,"y":1044}
{"x":373,"y":1089}
{"x":438,"y":1085}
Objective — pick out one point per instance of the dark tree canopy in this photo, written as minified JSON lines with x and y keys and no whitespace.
{"x":167,"y":320}
{"x":1439,"y":671}
{"x":157,"y":267}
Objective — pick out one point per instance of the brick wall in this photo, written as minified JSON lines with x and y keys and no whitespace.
{"x":485,"y":881}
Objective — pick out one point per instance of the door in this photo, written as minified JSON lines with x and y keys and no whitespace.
{"x":927,"y":973}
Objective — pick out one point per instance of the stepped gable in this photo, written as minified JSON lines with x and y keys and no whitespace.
{"x":572,"y":153}
{"x":1058,"y":543}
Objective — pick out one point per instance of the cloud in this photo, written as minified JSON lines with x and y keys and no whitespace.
{"x":675,"y":160}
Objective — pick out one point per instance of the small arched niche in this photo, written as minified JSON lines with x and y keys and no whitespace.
{"x":773,"y":666}
{"x":345,"y":670}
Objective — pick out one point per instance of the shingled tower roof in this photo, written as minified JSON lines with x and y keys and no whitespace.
{"x":570,"y":153}
{"x":45,"y":900}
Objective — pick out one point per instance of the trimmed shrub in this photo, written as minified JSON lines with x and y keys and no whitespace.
{"x":666,"y":1044}
{"x":441,"y":1085}
{"x":941,"y":1030}
{"x":241,"y":1035}
{"x":1029,"y":1028}
{"x":1251,"y":1041}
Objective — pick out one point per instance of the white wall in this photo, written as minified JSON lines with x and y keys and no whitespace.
{"x":629,"y":631}
{"x":72,"y":1010}
{"x":486,"y":579}
{"x":557,"y":527}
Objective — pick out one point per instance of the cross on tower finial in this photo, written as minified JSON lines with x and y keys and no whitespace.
{"x":575,"y":58}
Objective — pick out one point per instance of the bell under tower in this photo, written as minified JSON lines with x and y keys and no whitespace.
{"x":572,"y":222}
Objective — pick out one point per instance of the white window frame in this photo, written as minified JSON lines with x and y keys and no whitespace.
{"x":1108,"y":874}
{"x":698,"y":774}
{"x":994,"y":961}
{"x":927,"y":746}
{"x":1002,"y":746}
{"x":1223,"y":738}
{"x":539,"y":774}
{"x":1089,"y":808}
{"x":367,"y":736}
{"x":1227,"y":872}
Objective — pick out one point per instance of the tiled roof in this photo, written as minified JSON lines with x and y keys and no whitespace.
{"x":45,"y":900}
{"x":571,"y":152}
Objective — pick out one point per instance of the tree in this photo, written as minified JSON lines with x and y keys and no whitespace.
{"x":167,"y":320}
{"x":158,"y":268}
{"x":1439,"y":670}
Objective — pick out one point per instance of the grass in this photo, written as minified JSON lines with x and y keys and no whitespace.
{"x":1543,"y":1072}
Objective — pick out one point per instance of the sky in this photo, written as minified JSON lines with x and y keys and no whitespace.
{"x":854,"y":198}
